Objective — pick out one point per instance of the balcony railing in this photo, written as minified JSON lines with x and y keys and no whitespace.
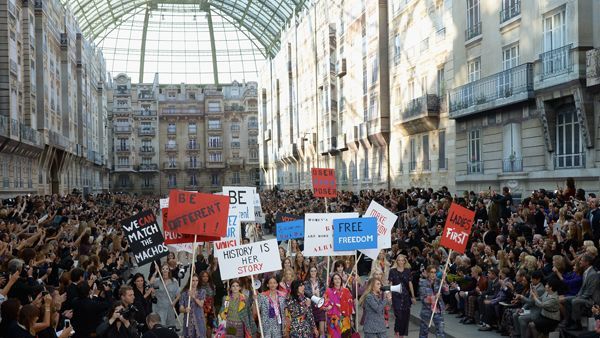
{"x":193,"y":165}
{"x":4,"y":126}
{"x":473,"y":31}
{"x":193,"y":146}
{"x":145,"y":112}
{"x":122,"y":149}
{"x":421,"y":106}
{"x":171,"y":131}
{"x":123,"y":167}
{"x":171,"y":147}
{"x":512,"y":165}
{"x":146,"y":150}
{"x":123,"y":129}
{"x":146,"y":131}
{"x":171,"y":165}
{"x":215,"y":145}
{"x":568,"y":161}
{"x":475,"y":167}
{"x":502,"y":85}
{"x":557,"y":61}
{"x":510,"y":12}
{"x":148,"y":167}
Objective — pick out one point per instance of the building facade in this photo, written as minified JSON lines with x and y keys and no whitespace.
{"x":469,"y":94}
{"x":192,"y":137}
{"x":52,"y":102}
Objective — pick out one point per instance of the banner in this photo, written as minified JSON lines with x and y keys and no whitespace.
{"x":354,"y":234}
{"x":249,"y":259}
{"x":242,"y":200}
{"x":290,"y":230}
{"x":458,"y":228}
{"x":259,"y":216}
{"x":197,"y":213}
{"x":144,"y":237}
{"x":281,"y":217}
{"x":318,"y":234}
{"x":385,"y":223}
{"x":324,"y":182}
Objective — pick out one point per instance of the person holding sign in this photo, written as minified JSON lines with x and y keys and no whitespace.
{"x":272,"y":310}
{"x":428,"y":288}
{"x":235,"y":314}
{"x":374,"y":302}
{"x":194,"y":309}
{"x":302,"y":323}
{"x":165,"y":302}
{"x":339,"y":305}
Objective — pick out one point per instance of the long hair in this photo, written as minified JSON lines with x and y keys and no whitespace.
{"x":331,"y":280}
{"x":187,"y":286}
{"x":295,"y":286}
{"x":369,"y":289}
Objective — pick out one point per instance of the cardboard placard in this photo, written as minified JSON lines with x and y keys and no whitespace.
{"x":242,"y":200}
{"x":458,"y":228}
{"x":197,"y":214}
{"x":234,"y":234}
{"x":290,"y":230}
{"x":259,"y":216}
{"x":324,"y":184}
{"x":385,"y":223}
{"x":281,"y":217}
{"x":249,"y":259}
{"x":145,"y":238}
{"x":318,"y":234}
{"x":354,"y":234}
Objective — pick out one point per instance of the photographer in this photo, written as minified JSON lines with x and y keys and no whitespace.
{"x":88,"y":309}
{"x":119,"y":323}
{"x":22,"y":288}
{"x":156,"y":330}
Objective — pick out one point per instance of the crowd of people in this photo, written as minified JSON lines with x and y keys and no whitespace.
{"x":530,"y":269}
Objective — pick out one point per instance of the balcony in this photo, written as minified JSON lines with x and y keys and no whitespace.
{"x":123,"y":129}
{"x":473,"y":31}
{"x":123,"y":167}
{"x":147,"y":151}
{"x":98,"y":158}
{"x":171,"y":147}
{"x":170,"y":165}
{"x":193,"y":147}
{"x":593,"y":67}
{"x":146,"y":131}
{"x":171,"y":131}
{"x":30,"y":135}
{"x":144,"y":113}
{"x":556,"y":62}
{"x":421,"y":114}
{"x":215,"y":165}
{"x":235,"y":162}
{"x":58,"y":140}
{"x":510,"y":12}
{"x":122,"y":149}
{"x":215,"y":145}
{"x":193,"y":165}
{"x":569,"y":161}
{"x":148,"y":167}
{"x":4,"y":126}
{"x":512,"y":165}
{"x":215,"y":128}
{"x":475,"y":167}
{"x":420,"y":166}
{"x":501,"y":89}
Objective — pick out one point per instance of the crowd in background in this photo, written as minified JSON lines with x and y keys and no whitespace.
{"x":530,"y":268}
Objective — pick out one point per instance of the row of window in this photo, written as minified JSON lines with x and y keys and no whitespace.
{"x":215,"y":179}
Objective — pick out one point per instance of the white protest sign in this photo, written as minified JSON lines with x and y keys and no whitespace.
{"x":164,"y":203}
{"x":385,"y":223}
{"x":185,"y":247}
{"x":242,"y":199}
{"x":318,"y":234}
{"x":258,"y":213}
{"x":233,"y":233}
{"x":249,"y":259}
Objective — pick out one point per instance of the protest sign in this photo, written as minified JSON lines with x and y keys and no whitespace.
{"x":233,"y":234}
{"x":281,"y":217}
{"x":242,"y":200}
{"x":385,"y":222}
{"x":185,"y":247}
{"x":458,"y":228}
{"x":259,"y":216}
{"x":197,"y":213}
{"x":318,"y":234}
{"x":144,"y":237}
{"x":290,"y":230}
{"x":354,"y":233}
{"x":164,"y":203}
{"x":249,"y":259}
{"x":170,"y":236}
{"x":324,"y":184}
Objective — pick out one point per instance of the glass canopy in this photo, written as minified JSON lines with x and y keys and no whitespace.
{"x":191,"y":41}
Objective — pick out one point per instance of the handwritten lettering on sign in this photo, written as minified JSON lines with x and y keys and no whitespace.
{"x":197,"y":213}
{"x":324,"y":184}
{"x":458,"y":228}
{"x":144,"y":237}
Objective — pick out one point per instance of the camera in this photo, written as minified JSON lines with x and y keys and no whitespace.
{"x":128,"y":312}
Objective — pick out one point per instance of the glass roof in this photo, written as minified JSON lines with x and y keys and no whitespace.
{"x":185,"y":40}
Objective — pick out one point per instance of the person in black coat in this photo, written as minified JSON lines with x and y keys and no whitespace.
{"x":88,"y":310}
{"x":156,"y":330}
{"x":143,"y":299}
